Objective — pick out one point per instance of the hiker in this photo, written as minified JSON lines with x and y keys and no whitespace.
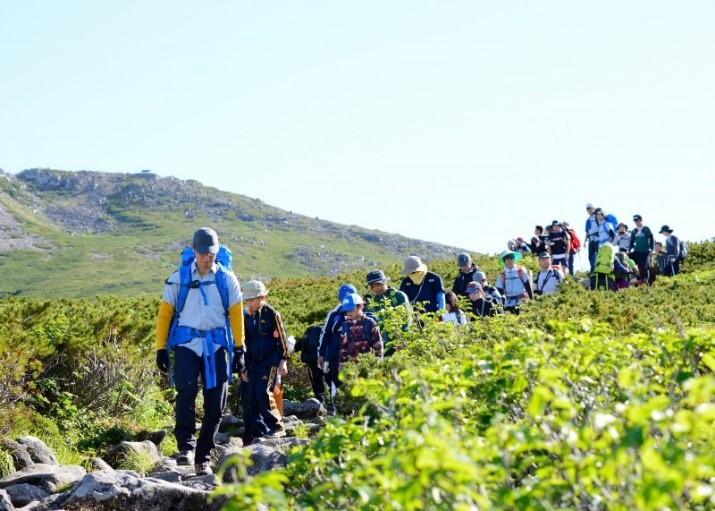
{"x":382,"y":299}
{"x":661,"y":260}
{"x":308,"y":346}
{"x":454,"y":314}
{"x":672,"y":251}
{"x":546,"y":282}
{"x":266,"y":359}
{"x":206,"y":298}
{"x":623,"y":279}
{"x":591,"y":234}
{"x":424,"y":289}
{"x":329,"y":348}
{"x":641,"y":247}
{"x":623,"y":237}
{"x":491,"y":293}
{"x":539,"y":242}
{"x":359,"y":333}
{"x":560,"y":244}
{"x":575,"y":245}
{"x":481,"y":305}
{"x":522,"y":246}
{"x":607,"y":264}
{"x":513,"y":282}
{"x":606,"y":232}
{"x":467,"y":269}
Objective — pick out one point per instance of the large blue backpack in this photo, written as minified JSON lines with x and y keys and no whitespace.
{"x":224,"y":260}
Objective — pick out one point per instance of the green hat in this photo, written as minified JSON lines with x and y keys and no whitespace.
{"x":508,"y":253}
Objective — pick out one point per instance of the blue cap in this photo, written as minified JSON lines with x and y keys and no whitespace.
{"x":376,"y":276}
{"x":351,"y":301}
{"x":345,"y":290}
{"x":205,"y":241}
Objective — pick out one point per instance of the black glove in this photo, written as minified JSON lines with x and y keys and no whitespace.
{"x":237,"y":361}
{"x":162,"y":360}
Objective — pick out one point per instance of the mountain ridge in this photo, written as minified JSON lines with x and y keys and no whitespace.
{"x":112,"y":232}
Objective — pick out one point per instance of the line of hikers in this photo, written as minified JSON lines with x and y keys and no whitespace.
{"x":208,"y":329}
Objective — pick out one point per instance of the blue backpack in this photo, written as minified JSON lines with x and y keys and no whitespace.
{"x":224,"y":260}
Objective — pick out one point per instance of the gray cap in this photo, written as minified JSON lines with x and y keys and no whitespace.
{"x":479,"y":276}
{"x":206,"y":241}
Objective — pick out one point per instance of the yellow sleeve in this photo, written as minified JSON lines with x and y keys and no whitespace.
{"x":235,"y":318}
{"x":163,"y":322}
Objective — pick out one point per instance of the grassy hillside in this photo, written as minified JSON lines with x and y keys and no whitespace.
{"x":80,"y":234}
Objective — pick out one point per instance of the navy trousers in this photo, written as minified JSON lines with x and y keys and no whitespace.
{"x":187,"y":368}
{"x":260,"y":414}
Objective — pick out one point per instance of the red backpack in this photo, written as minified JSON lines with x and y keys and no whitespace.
{"x":575,"y":242}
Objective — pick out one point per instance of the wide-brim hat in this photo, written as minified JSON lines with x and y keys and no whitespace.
{"x":413,"y":264}
{"x":254,"y":289}
{"x":515,"y":255}
{"x":665,"y":228}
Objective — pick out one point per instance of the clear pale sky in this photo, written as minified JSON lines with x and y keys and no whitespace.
{"x":461,"y":122}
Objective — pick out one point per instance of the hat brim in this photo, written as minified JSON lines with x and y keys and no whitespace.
{"x":206,"y":249}
{"x":250,"y":295}
{"x":517,"y":256}
{"x":375,"y":281}
{"x":421,"y":267}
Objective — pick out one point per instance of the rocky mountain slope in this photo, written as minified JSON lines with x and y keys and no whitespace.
{"x":85,"y":233}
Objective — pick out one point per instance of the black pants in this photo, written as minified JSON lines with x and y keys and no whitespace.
{"x":603,"y":281}
{"x":188,"y":366}
{"x":642,"y":260}
{"x":260,"y":413}
{"x":318,"y":380}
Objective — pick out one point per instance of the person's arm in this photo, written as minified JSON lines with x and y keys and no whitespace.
{"x":235,"y":320}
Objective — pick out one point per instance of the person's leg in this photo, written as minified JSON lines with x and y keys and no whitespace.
{"x":268,"y":415}
{"x":316,"y":381}
{"x":214,"y":403}
{"x":187,"y":366}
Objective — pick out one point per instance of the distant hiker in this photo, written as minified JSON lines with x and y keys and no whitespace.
{"x":308,"y":346}
{"x":454,"y":314}
{"x":591,"y":234}
{"x":513,"y":282}
{"x":603,"y":276}
{"x":424,"y":289}
{"x":606,"y":230}
{"x":661,"y":260}
{"x":522,"y":246}
{"x":266,"y":360}
{"x":546,"y":282}
{"x":623,"y":279}
{"x":491,"y":293}
{"x":575,"y":245}
{"x":480,"y":305}
{"x":201,"y":339}
{"x":641,"y":247}
{"x":623,"y":237}
{"x":560,"y":244}
{"x":329,"y":349}
{"x":359,"y":333}
{"x":467,"y":269}
{"x":539,"y":242}
{"x":385,"y":302}
{"x":672,"y":251}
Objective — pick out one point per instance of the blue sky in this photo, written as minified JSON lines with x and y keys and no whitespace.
{"x":463,"y":122}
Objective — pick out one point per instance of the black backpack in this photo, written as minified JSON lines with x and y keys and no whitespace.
{"x":308,"y":345}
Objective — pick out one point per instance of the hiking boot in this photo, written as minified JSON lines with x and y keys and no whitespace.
{"x":185,"y":458}
{"x":203,"y":469}
{"x":275,"y":433}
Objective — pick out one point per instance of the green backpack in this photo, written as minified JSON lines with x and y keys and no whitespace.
{"x":604,"y":259}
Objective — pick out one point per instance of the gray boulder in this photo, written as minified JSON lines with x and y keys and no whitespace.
{"x":122,"y":490}
{"x":28,"y":450}
{"x":51,"y":478}
{"x":306,"y":410}
{"x":5,"y":502}
{"x":119,"y":453}
{"x":23,"y":494}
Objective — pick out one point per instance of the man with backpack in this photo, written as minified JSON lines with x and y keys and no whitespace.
{"x":673,"y":251}
{"x":641,"y":247}
{"x":513,"y":282}
{"x":383,"y":299}
{"x":606,"y":268}
{"x":423,"y":288}
{"x":546,"y":282}
{"x":200,"y":320}
{"x":467,"y":269}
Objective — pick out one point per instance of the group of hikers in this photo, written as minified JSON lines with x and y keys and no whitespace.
{"x":209,"y":329}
